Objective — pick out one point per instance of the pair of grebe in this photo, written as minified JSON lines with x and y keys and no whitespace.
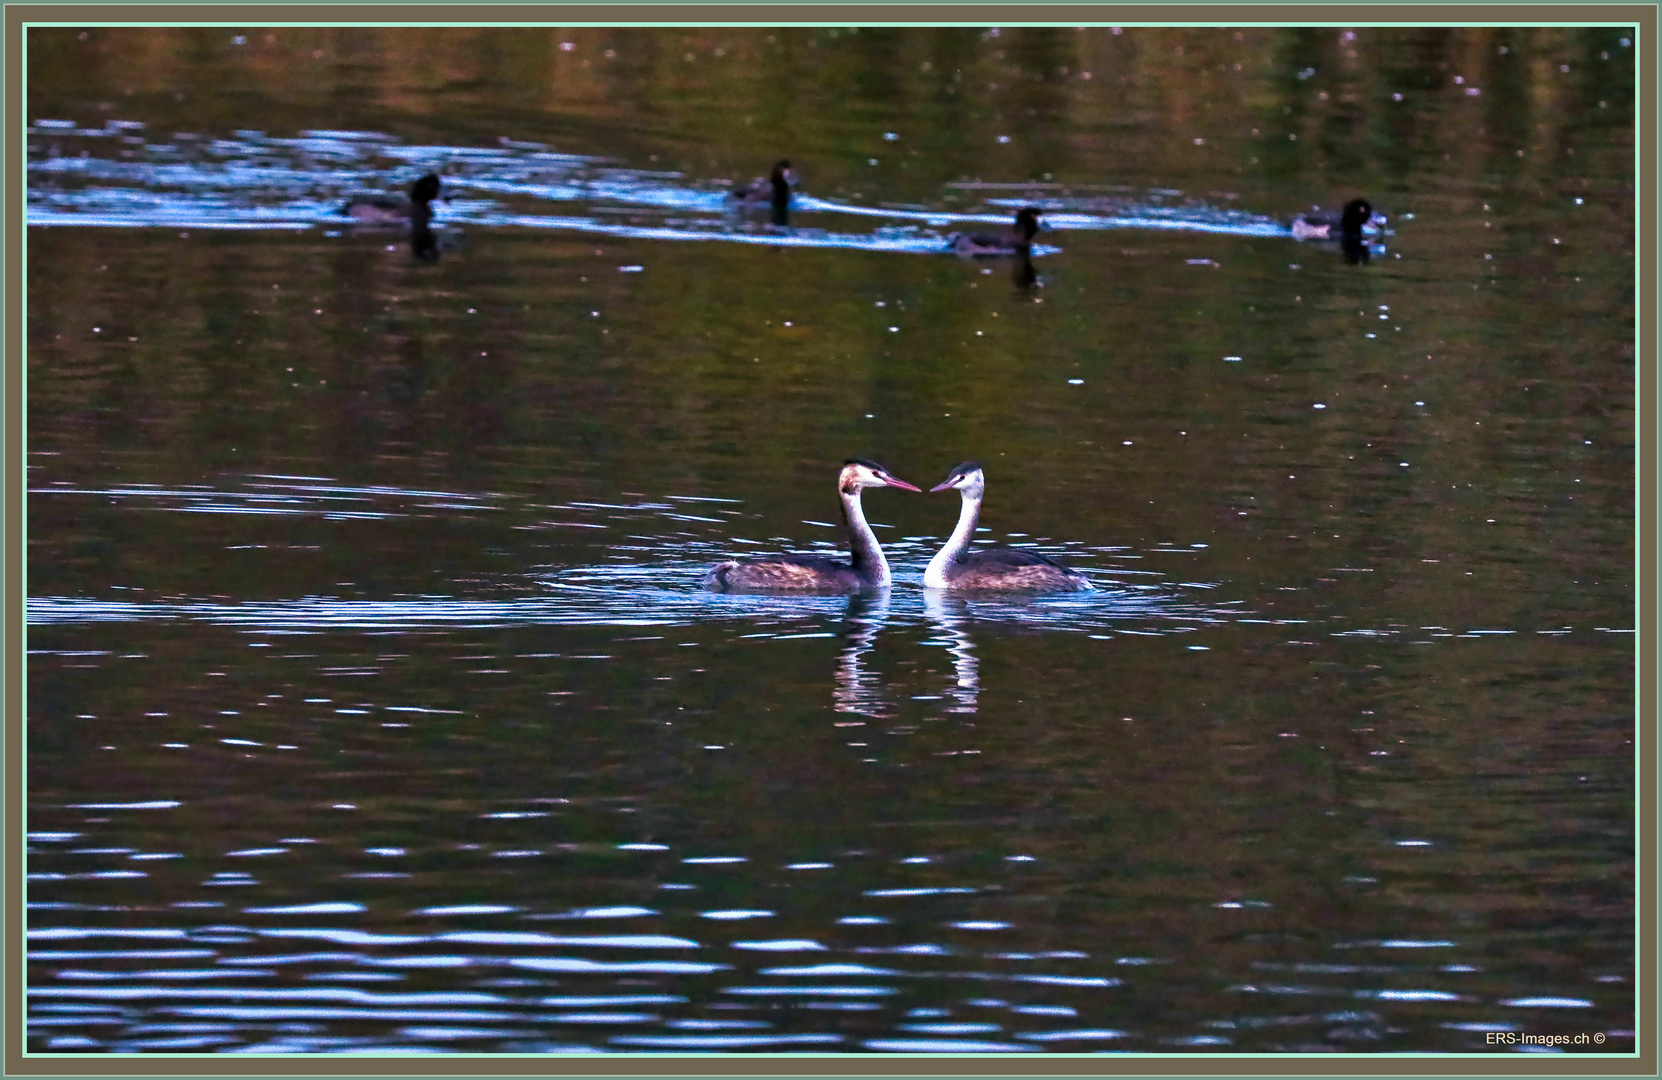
{"x":953,"y":567}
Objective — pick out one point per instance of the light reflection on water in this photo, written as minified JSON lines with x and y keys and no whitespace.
{"x":340,"y":766}
{"x":240,"y":956}
{"x":933,"y":935}
{"x":245,"y":1009}
{"x":638,"y":596}
{"x":656,"y":583}
{"x":254,"y":181}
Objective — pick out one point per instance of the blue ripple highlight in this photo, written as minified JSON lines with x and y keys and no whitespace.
{"x":255,"y":181}
{"x":722,"y":1042}
{"x":945,"y":1046}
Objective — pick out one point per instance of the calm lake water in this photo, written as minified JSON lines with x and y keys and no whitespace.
{"x":373,"y":704}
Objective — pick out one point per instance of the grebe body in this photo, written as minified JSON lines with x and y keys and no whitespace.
{"x":866,"y":568}
{"x":957,"y":567}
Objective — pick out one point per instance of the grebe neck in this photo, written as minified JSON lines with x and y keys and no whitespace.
{"x":867,"y":558}
{"x":934,"y":575}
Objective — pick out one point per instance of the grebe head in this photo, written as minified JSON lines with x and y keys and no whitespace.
{"x":858,"y":473}
{"x":425,"y":190}
{"x":967,"y":477}
{"x":1027,"y":220}
{"x":782,"y":172}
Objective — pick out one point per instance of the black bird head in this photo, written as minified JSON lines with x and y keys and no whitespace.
{"x":1357,"y":213}
{"x":1027,"y":222}
{"x":425,"y":190}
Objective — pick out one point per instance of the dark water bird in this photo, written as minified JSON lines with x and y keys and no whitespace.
{"x":386,"y":210}
{"x":867,"y":569}
{"x":955,"y":566}
{"x":416,"y":212}
{"x":1326,"y":225}
{"x":1016,"y":240}
{"x":773,"y":190}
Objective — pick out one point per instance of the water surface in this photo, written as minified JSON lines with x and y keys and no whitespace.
{"x":373,"y":703}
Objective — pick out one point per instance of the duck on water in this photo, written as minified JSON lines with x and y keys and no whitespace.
{"x":1016,"y":240}
{"x":386,"y":210}
{"x":772,"y":191}
{"x":1344,"y":225}
{"x":416,"y":212}
{"x":866,"y":569}
{"x":958,"y":567}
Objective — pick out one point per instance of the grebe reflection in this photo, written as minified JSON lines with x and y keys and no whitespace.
{"x":859,"y":690}
{"x":950,"y":614}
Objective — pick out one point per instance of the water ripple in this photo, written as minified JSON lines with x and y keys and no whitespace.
{"x":659,"y":605}
{"x":256,"y":181}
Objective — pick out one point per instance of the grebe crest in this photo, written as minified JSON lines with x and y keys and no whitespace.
{"x":966,"y":476}
{"x":860,"y":473}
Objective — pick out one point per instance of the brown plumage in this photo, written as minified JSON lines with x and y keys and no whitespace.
{"x":866,"y":568}
{"x":956,"y":566}
{"x":795,"y":573}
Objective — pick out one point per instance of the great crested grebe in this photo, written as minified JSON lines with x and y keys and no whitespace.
{"x":771,"y":190}
{"x":1016,"y":240}
{"x":867,"y":569}
{"x":957,"y":567}
{"x":1326,"y":225}
{"x":384,"y":210}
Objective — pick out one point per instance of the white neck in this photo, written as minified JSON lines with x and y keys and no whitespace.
{"x":867,"y":556}
{"x":934,"y":575}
